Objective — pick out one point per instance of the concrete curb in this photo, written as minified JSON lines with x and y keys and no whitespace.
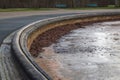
{"x":19,"y":43}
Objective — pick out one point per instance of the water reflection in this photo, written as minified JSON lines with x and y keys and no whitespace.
{"x":101,"y":38}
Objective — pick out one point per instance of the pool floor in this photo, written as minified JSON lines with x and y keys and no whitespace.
{"x":90,"y":53}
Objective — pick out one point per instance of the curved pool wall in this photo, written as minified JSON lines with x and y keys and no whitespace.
{"x":24,"y":37}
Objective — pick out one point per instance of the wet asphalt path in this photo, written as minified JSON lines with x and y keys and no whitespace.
{"x":8,"y":26}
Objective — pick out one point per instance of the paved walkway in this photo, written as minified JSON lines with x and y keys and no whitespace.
{"x":9,"y":68}
{"x":4,"y":15}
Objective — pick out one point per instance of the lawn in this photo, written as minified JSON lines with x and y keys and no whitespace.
{"x":94,"y":8}
{"x":25,"y":9}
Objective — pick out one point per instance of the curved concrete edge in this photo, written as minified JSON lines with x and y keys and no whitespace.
{"x":19,"y":43}
{"x":25,"y":62}
{"x":9,"y":68}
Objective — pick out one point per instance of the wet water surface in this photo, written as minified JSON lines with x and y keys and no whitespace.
{"x":90,"y":53}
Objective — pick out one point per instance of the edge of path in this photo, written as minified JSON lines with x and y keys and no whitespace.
{"x":6,"y":15}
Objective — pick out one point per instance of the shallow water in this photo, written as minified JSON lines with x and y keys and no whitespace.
{"x":90,"y":53}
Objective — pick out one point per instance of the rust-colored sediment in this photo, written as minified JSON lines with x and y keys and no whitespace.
{"x":50,"y":64}
{"x":45,"y":39}
{"x":50,"y":36}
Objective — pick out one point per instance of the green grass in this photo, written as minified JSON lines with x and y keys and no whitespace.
{"x":25,"y":9}
{"x":46,"y":9}
{"x":111,"y":6}
{"x":94,"y":8}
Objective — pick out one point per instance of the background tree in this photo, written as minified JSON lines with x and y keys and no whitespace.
{"x":52,"y":3}
{"x":117,"y":3}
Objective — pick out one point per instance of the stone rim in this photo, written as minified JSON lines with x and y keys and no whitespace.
{"x":19,"y":43}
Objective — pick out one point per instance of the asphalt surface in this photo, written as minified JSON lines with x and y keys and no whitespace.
{"x":8,"y":26}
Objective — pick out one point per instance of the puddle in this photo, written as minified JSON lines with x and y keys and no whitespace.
{"x":91,"y":53}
